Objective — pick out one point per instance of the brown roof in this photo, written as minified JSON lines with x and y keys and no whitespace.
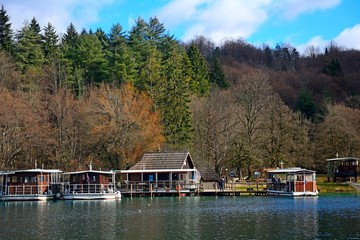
{"x":164,"y":160}
{"x":208,"y":174}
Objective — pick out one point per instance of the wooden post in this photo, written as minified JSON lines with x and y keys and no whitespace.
{"x":131,"y":187}
{"x":150,"y":189}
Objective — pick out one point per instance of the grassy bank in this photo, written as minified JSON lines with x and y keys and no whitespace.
{"x":325,"y":186}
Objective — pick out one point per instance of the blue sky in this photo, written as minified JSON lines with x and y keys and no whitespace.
{"x":301,"y":23}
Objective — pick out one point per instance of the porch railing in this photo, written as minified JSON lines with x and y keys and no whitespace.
{"x":88,"y":188}
{"x":160,"y":185}
{"x":26,"y":190}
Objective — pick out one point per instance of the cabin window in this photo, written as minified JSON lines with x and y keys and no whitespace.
{"x":26,"y":179}
{"x":14,"y":179}
{"x":33,"y":179}
{"x":309,"y":178}
{"x":41,"y":179}
{"x":94,"y":178}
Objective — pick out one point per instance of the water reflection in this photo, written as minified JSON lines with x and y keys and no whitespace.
{"x":184,"y":218}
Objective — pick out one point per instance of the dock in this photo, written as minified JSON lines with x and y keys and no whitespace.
{"x":161,"y":192}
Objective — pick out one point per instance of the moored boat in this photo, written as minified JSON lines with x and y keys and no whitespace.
{"x":293,"y":182}
{"x":29,"y":184}
{"x":90,"y":185}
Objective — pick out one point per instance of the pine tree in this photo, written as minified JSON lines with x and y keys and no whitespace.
{"x":103,"y":38}
{"x":29,"y":48}
{"x":217,"y":74}
{"x":6,"y":32}
{"x":122,"y":63}
{"x":51,"y":42}
{"x":71,"y":36}
{"x":155,"y":31}
{"x":268,"y":57}
{"x":72,"y":72}
{"x":306,"y":104}
{"x":150,"y":76}
{"x":91,"y":58}
{"x":139,"y":44}
{"x":174,"y":96}
{"x":200,"y":74}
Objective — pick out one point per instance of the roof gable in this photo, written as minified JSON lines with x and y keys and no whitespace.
{"x":164,"y":160}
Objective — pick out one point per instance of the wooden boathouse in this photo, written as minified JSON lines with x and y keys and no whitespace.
{"x":345,"y":168}
{"x":174,"y":174}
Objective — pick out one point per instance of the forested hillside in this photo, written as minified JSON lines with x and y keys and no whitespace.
{"x":108,"y":97}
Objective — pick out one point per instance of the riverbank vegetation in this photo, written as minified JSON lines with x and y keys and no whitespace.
{"x":107,"y":97}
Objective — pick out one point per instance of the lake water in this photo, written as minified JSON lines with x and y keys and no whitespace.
{"x":324,"y":217}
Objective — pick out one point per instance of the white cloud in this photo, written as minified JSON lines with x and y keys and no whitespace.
{"x":350,"y":37}
{"x":178,"y":11}
{"x":60,"y":13}
{"x":216,"y":19}
{"x":290,"y":9}
{"x":316,"y":43}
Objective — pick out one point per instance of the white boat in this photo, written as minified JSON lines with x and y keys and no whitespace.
{"x":90,"y":185}
{"x":29,"y":185}
{"x":293,"y":182}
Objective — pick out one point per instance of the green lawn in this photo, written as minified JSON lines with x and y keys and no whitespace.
{"x":325,"y":186}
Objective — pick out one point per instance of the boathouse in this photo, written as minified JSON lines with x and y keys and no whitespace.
{"x":345,"y":168}
{"x":162,"y":171}
{"x":29,"y":184}
{"x":89,"y":181}
{"x":209,"y":179}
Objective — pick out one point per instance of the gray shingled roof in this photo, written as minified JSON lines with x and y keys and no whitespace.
{"x":208,"y":174}
{"x":162,"y":160}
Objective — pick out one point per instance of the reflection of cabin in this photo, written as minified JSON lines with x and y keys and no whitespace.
{"x":344,"y":168}
{"x":164,"y":171}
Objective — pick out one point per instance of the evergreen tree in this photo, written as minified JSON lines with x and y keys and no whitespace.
{"x":175,"y":96}
{"x":306,"y":104}
{"x":51,"y":42}
{"x":139,"y":44}
{"x":268,"y":57}
{"x":122,"y":63}
{"x":72,"y":72}
{"x":71,"y":36}
{"x":155,"y":31}
{"x":6,"y":32}
{"x":29,"y":49}
{"x":200,"y":74}
{"x":91,"y":58}
{"x":103,"y":38}
{"x":295,"y":56}
{"x":217,"y":74}
{"x":150,"y":76}
{"x":333,"y":68}
{"x":35,"y":26}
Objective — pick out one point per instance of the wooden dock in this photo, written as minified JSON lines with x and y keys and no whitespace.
{"x":183,"y":193}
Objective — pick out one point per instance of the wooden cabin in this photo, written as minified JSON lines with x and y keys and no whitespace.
{"x":291,"y":182}
{"x":162,"y":171}
{"x":30,"y":184}
{"x":345,"y":168}
{"x":89,"y":181}
{"x":209,"y":179}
